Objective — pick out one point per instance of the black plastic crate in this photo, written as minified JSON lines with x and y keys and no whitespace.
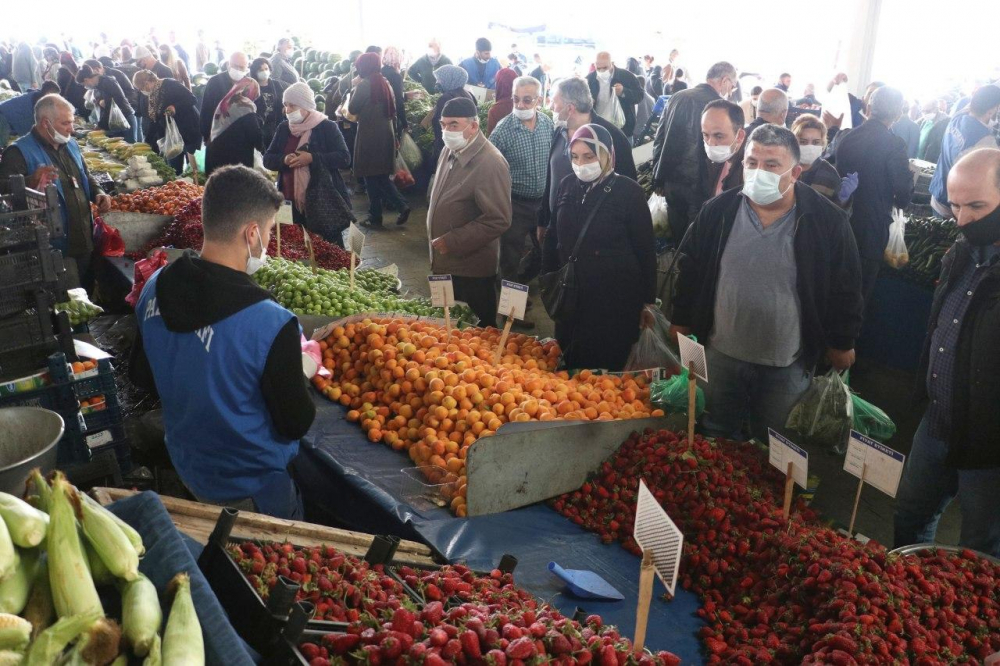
{"x":95,"y":421}
{"x":29,"y":328}
{"x":24,"y":272}
{"x":52,"y":397}
{"x":30,"y":210}
{"x":77,"y":448}
{"x":100,"y":381}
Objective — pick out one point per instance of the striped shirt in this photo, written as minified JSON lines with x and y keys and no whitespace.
{"x":526,"y":151}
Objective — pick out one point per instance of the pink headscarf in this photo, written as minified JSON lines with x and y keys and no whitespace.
{"x":228,"y":112}
{"x":303,"y":131}
{"x":392,"y":58}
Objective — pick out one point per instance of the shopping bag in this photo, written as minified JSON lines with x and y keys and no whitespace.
{"x":896,"y":254}
{"x":144,"y":269}
{"x":107,"y":240}
{"x":327,"y":214}
{"x":344,"y":110}
{"x":410,"y":152}
{"x":402,"y":176}
{"x":617,"y":113}
{"x":90,"y":99}
{"x":871,"y":421}
{"x":672,"y":394}
{"x":825,"y":413}
{"x":117,"y":122}
{"x":651,"y":349}
{"x":658,"y":210}
{"x":172,"y":143}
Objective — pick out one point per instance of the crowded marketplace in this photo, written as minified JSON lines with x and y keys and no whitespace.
{"x":497,"y":344}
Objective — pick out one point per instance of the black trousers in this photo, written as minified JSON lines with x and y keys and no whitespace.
{"x":382,"y":191}
{"x":481,"y":295}
{"x":869,"y":274}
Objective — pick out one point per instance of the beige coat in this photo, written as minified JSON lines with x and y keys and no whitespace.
{"x":470,"y":207}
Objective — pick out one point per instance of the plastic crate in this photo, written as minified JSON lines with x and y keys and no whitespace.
{"x":84,"y":385}
{"x":31,"y":327}
{"x":23,"y":351}
{"x":23,"y":272}
{"x":51,"y":397}
{"x":30,"y":210}
{"x":77,"y":448}
{"x":110,"y":416}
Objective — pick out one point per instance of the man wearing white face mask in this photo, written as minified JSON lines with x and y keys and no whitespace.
{"x":422,"y":71}
{"x":225,"y":358}
{"x":218,"y":87}
{"x":281,"y":62}
{"x":469,"y":209}
{"x":770,"y":279}
{"x":482,"y":67}
{"x":524,"y":138}
{"x":609,"y":84}
{"x":723,"y":134}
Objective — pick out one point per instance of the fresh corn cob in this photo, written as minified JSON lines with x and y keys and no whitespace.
{"x":154,"y":657}
{"x":182,"y":639}
{"x":27,"y":525}
{"x":11,"y":658}
{"x":73,"y":590}
{"x":40,"y":611}
{"x":42,"y":489}
{"x":98,"y":571}
{"x":122,"y":660}
{"x":8,"y":556}
{"x":15,"y":589}
{"x":15,"y":632}
{"x":109,"y":542}
{"x":134,"y":537}
{"x":50,"y":643}
{"x":141,"y":615}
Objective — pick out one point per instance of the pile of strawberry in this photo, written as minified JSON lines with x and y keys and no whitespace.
{"x":458,"y":582}
{"x":341,"y":587}
{"x":789,"y":592}
{"x":473,"y":633}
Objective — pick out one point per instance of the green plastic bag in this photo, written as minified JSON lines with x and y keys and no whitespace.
{"x":871,"y":421}
{"x":672,"y":394}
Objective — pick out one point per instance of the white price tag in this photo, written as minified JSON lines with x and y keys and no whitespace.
{"x":881,"y":465}
{"x":657,"y":535}
{"x":284,"y":214}
{"x":513,"y":296}
{"x":782,"y":451}
{"x":355,"y":239}
{"x":99,"y":439}
{"x":693,"y":352}
{"x":442,"y":291}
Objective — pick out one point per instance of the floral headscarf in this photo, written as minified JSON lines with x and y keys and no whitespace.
{"x":229,"y":111}
{"x":392,"y":58}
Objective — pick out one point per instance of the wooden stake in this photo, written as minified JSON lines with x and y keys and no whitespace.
{"x":352,"y":271}
{"x":692,"y":403}
{"x":789,"y":485}
{"x":194,"y":167}
{"x":312,"y":254}
{"x":857,"y":498}
{"x":645,"y":597}
{"x":278,"y":231}
{"x":503,"y":337}
{"x":447,"y":320}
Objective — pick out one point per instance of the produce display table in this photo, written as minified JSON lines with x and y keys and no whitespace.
{"x":344,"y":477}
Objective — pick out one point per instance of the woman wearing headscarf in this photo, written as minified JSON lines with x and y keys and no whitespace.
{"x":372,"y":103}
{"x":24,"y":68}
{"x":391,"y":63}
{"x":73,"y":92}
{"x":236,"y":128}
{"x":48,"y":66}
{"x":305,"y":136}
{"x":269,"y":105}
{"x":167,"y":97}
{"x":505,"y":103}
{"x":451,"y":80}
{"x":616,"y":261}
{"x":169,"y":58}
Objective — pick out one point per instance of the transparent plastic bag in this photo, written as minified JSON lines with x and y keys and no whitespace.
{"x":617,"y":113}
{"x":410,"y":151}
{"x":825,"y":413}
{"x":672,"y":395}
{"x":117,"y":122}
{"x":871,"y":421}
{"x":651,"y":350}
{"x":658,"y":209}
{"x":402,"y":177}
{"x":172,"y":143}
{"x":896,"y":254}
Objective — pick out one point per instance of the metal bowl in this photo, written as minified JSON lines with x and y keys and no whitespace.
{"x":920,"y":547}
{"x":28,"y":439}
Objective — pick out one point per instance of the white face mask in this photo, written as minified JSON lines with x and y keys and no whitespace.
{"x":263,"y":75}
{"x":295,"y":117}
{"x":605,"y":75}
{"x":719,"y":154}
{"x":763,"y":187}
{"x":254,"y":264}
{"x":524,"y":114}
{"x":454,"y":140}
{"x":432,"y":54}
{"x":483,"y":60}
{"x":809,"y":154}
{"x":61,"y":139}
{"x":237,"y":74}
{"x":588,"y":173}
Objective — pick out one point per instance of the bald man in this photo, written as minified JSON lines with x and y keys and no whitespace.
{"x":956,"y":449}
{"x":772,"y":109}
{"x":608,"y":83}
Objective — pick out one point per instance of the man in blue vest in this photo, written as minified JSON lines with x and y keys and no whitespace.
{"x":49,"y":154}
{"x":225,"y":358}
{"x":19,"y":112}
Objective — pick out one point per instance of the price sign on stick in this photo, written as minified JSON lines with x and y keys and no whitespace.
{"x":284,"y":214}
{"x":513,"y":303}
{"x":442,"y":295}
{"x":355,"y":244}
{"x":692,"y":352}
{"x":790,"y":459}
{"x":875,"y":464}
{"x":661,"y":542}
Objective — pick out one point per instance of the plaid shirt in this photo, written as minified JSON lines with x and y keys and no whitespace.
{"x":526,"y":151}
{"x":944,"y":341}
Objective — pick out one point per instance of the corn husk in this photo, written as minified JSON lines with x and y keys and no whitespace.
{"x":40,"y":610}
{"x":141,"y":615}
{"x":73,"y":590}
{"x":50,"y":643}
{"x":98,"y":571}
{"x":27,"y":525}
{"x":11,"y":658}
{"x":133,"y":536}
{"x":109,"y":542}
{"x":43,"y":492}
{"x":182,"y":639}
{"x":15,"y":589}
{"x":15,"y":632}
{"x":8,"y":556}
{"x":154,"y":658}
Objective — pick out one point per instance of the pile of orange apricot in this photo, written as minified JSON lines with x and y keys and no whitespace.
{"x":416,"y":387}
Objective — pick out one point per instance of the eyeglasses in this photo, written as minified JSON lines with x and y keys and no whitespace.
{"x":526,"y":100}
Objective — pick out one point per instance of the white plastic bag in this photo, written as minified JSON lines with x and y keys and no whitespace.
{"x":411,"y":152}
{"x":658,"y":209}
{"x":617,"y":113}
{"x":117,"y":121}
{"x":896,"y":254}
{"x":90,"y":99}
{"x":651,"y":350}
{"x":172,"y":143}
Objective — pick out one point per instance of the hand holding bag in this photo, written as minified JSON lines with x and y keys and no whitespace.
{"x":327,"y":214}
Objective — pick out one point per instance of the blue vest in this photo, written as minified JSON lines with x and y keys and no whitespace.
{"x":35,"y":156}
{"x":20,"y":112}
{"x":220,"y":435}
{"x":963,"y":132}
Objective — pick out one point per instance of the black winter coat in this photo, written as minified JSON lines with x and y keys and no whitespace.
{"x":131,"y":94}
{"x":216,"y":88}
{"x":325,"y":143}
{"x":72,"y":91}
{"x":974,"y":440}
{"x":395,"y":80}
{"x":236,"y":144}
{"x":829,"y":272}
{"x":173,"y":93}
{"x":631,"y":94}
{"x":108,"y":91}
{"x":270,"y":108}
{"x":422,"y":71}
{"x":679,"y":159}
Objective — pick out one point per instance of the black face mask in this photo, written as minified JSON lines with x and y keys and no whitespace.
{"x":984,"y":231}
